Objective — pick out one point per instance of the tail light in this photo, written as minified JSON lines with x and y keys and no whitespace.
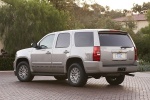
{"x":136,"y":56}
{"x":96,"y":53}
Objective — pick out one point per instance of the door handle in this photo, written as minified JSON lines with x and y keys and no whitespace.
{"x":65,"y":52}
{"x":48,"y":52}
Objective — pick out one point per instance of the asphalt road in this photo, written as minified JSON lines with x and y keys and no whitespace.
{"x":47,"y":88}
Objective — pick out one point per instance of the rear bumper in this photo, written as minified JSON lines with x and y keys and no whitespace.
{"x":97,"y":67}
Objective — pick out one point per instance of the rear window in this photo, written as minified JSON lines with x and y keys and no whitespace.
{"x":84,"y":39}
{"x":115,"y":40}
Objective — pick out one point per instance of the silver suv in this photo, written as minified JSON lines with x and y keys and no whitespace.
{"x":77,"y":55}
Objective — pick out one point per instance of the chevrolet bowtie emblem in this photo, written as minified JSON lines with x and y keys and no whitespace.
{"x":120,"y":51}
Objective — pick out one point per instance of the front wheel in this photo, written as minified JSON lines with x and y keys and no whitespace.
{"x":76,"y":75}
{"x":23,"y":72}
{"x":115,"y":80}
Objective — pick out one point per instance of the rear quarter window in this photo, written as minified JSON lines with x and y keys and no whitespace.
{"x":84,"y":39}
{"x":115,"y":40}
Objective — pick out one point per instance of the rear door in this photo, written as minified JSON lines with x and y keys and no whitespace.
{"x":117,"y":48}
{"x":61,"y":52}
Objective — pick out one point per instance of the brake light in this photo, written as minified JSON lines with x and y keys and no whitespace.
{"x":96,"y":53}
{"x":136,"y":56}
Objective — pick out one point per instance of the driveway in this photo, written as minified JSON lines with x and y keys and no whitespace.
{"x":47,"y":88}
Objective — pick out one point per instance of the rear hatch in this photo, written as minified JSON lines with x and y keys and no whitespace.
{"x":117,"y":48}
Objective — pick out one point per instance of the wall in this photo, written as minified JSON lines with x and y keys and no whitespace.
{"x":140,"y":24}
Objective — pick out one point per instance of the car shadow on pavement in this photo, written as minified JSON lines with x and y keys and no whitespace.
{"x":51,"y":82}
{"x":63,"y":87}
{"x":64,"y":84}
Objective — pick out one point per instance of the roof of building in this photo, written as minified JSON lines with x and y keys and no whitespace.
{"x":137,"y":17}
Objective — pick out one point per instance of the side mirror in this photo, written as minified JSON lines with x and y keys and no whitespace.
{"x":34,"y":45}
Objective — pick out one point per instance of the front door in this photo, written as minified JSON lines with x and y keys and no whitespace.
{"x":41,"y":56}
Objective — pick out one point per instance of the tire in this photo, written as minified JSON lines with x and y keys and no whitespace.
{"x":23,"y":72}
{"x":60,"y":77}
{"x":115,"y":80}
{"x":76,"y":75}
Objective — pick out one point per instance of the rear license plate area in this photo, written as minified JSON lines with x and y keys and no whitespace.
{"x":119,"y":56}
{"x":121,"y":69}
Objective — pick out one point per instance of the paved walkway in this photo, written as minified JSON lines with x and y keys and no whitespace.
{"x":47,"y":88}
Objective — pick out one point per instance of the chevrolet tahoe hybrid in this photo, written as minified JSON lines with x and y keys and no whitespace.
{"x":77,"y":55}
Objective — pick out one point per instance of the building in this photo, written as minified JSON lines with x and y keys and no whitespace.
{"x":140,"y":20}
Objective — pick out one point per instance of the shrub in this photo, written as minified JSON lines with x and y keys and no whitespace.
{"x":6,"y":63}
{"x":144,"y":66}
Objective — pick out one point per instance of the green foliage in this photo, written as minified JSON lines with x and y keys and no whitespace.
{"x":114,"y":14}
{"x":83,"y":17}
{"x":142,"y":43}
{"x":6,"y":63}
{"x":148,"y":16}
{"x":142,"y":40}
{"x":26,"y":21}
{"x":145,"y":30}
{"x":137,"y":8}
{"x":130,"y":24}
{"x":144,"y":66}
{"x":108,"y":23}
{"x":140,"y":8}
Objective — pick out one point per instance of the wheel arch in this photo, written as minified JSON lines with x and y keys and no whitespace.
{"x":74,"y":60}
{"x":20,"y":60}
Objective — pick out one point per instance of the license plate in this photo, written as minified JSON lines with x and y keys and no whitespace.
{"x":119,"y":56}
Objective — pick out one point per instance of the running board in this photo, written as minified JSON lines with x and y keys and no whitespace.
{"x":49,"y":74}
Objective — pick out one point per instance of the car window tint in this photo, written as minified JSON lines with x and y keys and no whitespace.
{"x":84,"y":39}
{"x":47,"y":42}
{"x":63,"y":40}
{"x":115,"y":40}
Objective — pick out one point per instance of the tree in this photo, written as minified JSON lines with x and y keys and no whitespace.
{"x":142,"y":41}
{"x":130,"y":24}
{"x":23,"y":22}
{"x":146,"y":6}
{"x":97,"y":8}
{"x":137,"y":8}
{"x":114,"y":14}
{"x":140,"y":8}
{"x":108,"y":23}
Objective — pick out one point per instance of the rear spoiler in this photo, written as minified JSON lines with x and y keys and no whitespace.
{"x":112,"y":32}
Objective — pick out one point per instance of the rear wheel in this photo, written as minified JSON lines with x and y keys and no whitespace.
{"x":115,"y":80}
{"x":76,"y":75}
{"x":60,"y":77}
{"x":23,"y":72}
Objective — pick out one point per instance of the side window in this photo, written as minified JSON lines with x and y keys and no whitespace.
{"x":47,"y":42}
{"x":84,"y":39}
{"x":63,"y":40}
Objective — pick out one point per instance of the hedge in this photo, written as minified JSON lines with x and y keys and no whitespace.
{"x":143,"y":66}
{"x":6,"y":63}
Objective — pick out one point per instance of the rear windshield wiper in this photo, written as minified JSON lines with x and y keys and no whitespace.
{"x":126,"y":47}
